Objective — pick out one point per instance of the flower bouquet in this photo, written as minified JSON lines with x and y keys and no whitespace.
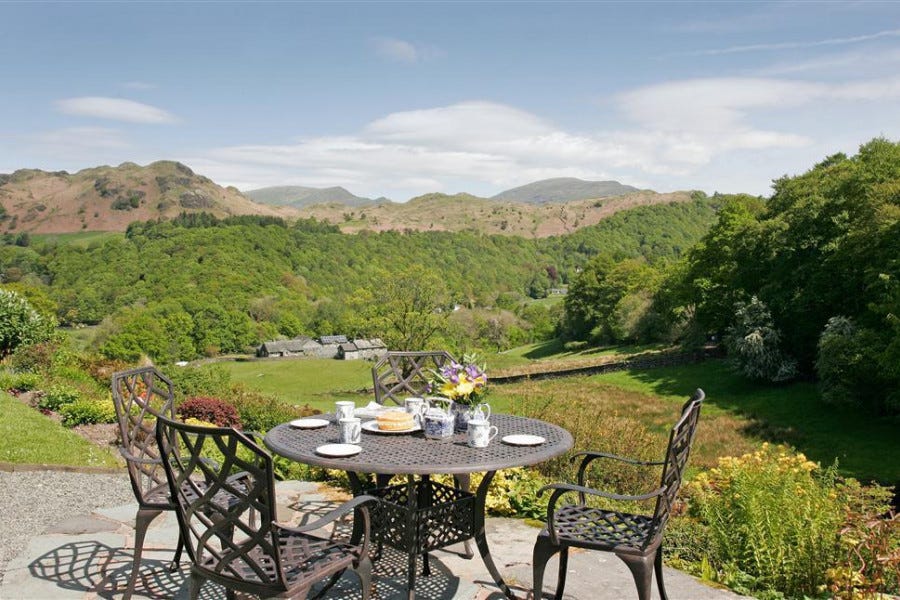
{"x":464,"y":383}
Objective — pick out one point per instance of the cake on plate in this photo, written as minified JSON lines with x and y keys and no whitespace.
{"x":394,"y":420}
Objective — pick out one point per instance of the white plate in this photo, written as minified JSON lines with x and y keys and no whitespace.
{"x":372,"y":427}
{"x":338,"y":450}
{"x":523,"y":440}
{"x":308,"y":423}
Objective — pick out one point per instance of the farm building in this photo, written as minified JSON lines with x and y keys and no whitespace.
{"x":301,"y":346}
{"x":330,"y":345}
{"x":372,"y":349}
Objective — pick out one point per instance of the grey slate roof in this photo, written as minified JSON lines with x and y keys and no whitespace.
{"x":333,"y":339}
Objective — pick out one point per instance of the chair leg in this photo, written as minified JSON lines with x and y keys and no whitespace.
{"x":196,"y":583}
{"x":141,"y":522}
{"x":364,"y":572}
{"x":641,"y":568}
{"x":176,"y":561}
{"x":658,"y":564}
{"x":563,"y":570}
{"x":543,"y":552}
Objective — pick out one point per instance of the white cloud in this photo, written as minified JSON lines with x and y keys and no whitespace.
{"x":115,"y":109}
{"x":676,"y":135}
{"x":403,"y":51}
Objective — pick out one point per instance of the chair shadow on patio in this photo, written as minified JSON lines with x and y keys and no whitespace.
{"x":92,"y":566}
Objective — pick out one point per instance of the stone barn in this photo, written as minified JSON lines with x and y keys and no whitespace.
{"x":301,"y":346}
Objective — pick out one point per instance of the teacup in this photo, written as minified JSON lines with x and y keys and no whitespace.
{"x":351,"y":430}
{"x":343,"y":409}
{"x":481,"y":432}
{"x":416,"y":407}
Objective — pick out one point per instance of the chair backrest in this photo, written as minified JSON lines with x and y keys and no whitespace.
{"x":401,"y":374}
{"x":677,"y":454}
{"x":140,"y":396}
{"x":217,"y":476}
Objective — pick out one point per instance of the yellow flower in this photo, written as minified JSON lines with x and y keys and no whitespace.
{"x":465,"y":388}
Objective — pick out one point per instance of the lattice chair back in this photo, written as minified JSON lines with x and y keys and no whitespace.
{"x":214,"y":504}
{"x":401,"y":374}
{"x":140,"y":396}
{"x":680,"y":440}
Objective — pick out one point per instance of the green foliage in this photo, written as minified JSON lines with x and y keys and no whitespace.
{"x":58,"y":396}
{"x":610,"y":302}
{"x":85,"y":411}
{"x":753,"y":344}
{"x":824,"y":245}
{"x":205,"y":380}
{"x":847,"y":363}
{"x":261,"y":412}
{"x":20,"y":382}
{"x":773,"y":521}
{"x":20,"y":324}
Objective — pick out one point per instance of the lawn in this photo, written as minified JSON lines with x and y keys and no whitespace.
{"x":866,"y":446}
{"x":79,"y":238}
{"x":317,"y":382}
{"x":28,"y":437}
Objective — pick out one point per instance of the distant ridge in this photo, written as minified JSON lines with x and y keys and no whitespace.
{"x":299,"y":196}
{"x":564,"y":189}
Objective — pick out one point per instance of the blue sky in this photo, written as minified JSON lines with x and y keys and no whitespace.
{"x":399,"y":99}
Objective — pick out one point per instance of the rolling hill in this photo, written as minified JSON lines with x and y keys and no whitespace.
{"x":300,"y":196}
{"x":109,"y":198}
{"x":563,"y":189}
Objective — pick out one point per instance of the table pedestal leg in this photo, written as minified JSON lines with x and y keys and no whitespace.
{"x":464,"y":482}
{"x":481,"y":536}
{"x":411,"y":535}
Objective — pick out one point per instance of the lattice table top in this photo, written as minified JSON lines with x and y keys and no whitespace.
{"x":415,"y":454}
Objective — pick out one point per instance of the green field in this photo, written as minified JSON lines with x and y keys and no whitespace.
{"x":317,"y":382}
{"x":866,"y":446}
{"x":80,"y":238}
{"x":28,"y":437}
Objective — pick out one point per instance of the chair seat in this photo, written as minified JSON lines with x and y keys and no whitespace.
{"x":598,"y":529}
{"x":159,"y":496}
{"x":305,"y":559}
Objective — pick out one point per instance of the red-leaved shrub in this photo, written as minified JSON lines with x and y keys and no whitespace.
{"x":211,"y":410}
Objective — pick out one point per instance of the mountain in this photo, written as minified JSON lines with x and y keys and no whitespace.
{"x":109,"y":198}
{"x":299,"y":196}
{"x":563,"y":189}
{"x":458,"y":212}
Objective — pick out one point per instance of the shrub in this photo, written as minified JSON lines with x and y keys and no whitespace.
{"x":20,"y":324}
{"x":58,"y":396}
{"x":575,"y":346}
{"x":753,"y":343}
{"x":259,"y":412}
{"x":20,"y":382}
{"x":208,"y":380}
{"x":86,"y":411}
{"x":847,"y":363}
{"x":210,"y":410}
{"x":772,"y":520}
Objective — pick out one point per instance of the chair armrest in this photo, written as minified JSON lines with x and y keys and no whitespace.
{"x":359,"y":502}
{"x":257,"y":437}
{"x":560,"y":489}
{"x":590,"y":456}
{"x":128,"y":456}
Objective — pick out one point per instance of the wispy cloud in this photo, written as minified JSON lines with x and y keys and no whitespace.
{"x":888,"y":33}
{"x":139,"y":85}
{"x":402,"y":51}
{"x":115,"y":109}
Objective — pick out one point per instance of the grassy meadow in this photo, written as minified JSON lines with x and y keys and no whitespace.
{"x":737,"y":417}
{"x":28,"y":437}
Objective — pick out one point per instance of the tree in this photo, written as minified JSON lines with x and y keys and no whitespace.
{"x":20,"y":324}
{"x":409,"y":309}
{"x":754,"y":344}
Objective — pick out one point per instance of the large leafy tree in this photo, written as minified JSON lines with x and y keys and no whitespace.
{"x":20,"y":324}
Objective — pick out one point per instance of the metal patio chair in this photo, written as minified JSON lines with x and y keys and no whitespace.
{"x":140,"y":397}
{"x":227,"y":545}
{"x":636,"y":539}
{"x":401,"y":374}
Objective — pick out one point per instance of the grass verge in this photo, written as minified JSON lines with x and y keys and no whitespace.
{"x":28,"y":437}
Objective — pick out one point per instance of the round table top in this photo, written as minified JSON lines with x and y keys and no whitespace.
{"x":413,"y":453}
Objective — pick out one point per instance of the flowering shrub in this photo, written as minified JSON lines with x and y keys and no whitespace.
{"x":210,"y":410}
{"x":464,"y":383}
{"x":87,"y":411}
{"x":772,"y":521}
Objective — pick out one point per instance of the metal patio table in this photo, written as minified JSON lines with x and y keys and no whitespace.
{"x":385,"y":454}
